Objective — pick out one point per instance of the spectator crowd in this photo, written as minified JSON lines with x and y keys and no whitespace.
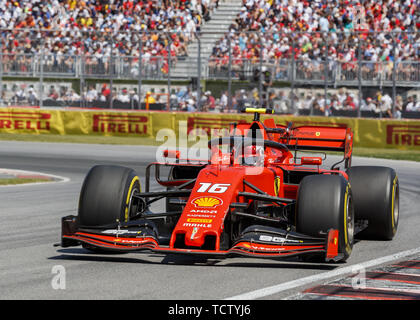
{"x":270,"y":30}
{"x":99,"y":29}
{"x":309,"y":31}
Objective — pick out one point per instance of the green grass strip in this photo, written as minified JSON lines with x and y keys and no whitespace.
{"x":14,"y":181}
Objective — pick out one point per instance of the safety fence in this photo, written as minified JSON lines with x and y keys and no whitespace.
{"x":157,"y":68}
{"x":369,"y":133}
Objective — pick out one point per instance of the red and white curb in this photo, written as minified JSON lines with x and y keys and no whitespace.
{"x":394,"y":282}
{"x":388,"y":283}
{"x":24,"y":174}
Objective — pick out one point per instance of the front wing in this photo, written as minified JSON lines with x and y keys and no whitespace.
{"x":123,"y":240}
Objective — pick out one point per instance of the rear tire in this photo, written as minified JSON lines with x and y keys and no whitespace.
{"x":106,"y":195}
{"x":376,"y":199}
{"x":325,"y":202}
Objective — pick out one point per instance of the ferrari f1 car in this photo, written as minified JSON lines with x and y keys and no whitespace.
{"x":263,"y":192}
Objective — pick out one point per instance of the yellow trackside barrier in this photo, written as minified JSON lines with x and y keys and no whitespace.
{"x":44,"y":121}
{"x":28,"y":120}
{"x":370,"y":133}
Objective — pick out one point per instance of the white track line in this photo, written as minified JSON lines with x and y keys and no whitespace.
{"x":261,"y":293}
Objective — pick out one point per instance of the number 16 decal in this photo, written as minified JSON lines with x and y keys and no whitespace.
{"x":213,"y":187}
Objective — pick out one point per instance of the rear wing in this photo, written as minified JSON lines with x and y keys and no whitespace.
{"x":319,"y":138}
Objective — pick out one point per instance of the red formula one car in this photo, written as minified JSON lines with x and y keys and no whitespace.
{"x":262,"y":193}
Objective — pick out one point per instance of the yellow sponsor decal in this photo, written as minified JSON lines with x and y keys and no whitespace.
{"x":207,"y":202}
{"x":277,"y":183}
{"x":199,"y":220}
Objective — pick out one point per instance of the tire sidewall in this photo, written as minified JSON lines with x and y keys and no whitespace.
{"x":105,"y":196}
{"x":376,"y":198}
{"x":346,"y":226}
{"x":325,"y":202}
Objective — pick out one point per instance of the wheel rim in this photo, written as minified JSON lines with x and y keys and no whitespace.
{"x":396,"y":208}
{"x":132,"y":207}
{"x":350,"y":220}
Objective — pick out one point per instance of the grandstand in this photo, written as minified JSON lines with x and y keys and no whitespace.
{"x":340,"y":57}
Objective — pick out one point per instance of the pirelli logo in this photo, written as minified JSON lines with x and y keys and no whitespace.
{"x":128,"y":123}
{"x":403,"y":135}
{"x":32,"y":121}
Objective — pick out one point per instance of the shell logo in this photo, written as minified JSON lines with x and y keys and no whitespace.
{"x":207,"y":202}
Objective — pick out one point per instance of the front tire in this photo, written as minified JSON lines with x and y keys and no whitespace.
{"x":106,"y":195}
{"x":325,"y":202}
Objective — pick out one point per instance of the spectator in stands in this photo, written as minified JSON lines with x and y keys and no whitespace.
{"x":210,"y":101}
{"x":397,"y":113}
{"x":32,"y":96}
{"x":53,"y":94}
{"x":399,"y":103}
{"x":385,"y":103}
{"x":369,"y":106}
{"x":335,"y":104}
{"x":281,"y":103}
{"x":307,"y":103}
{"x":92,"y":94}
{"x":341,"y":96}
{"x":19,"y":95}
{"x":411,"y":103}
{"x":191,"y":105}
{"x":105,"y":93}
{"x":72,"y":96}
{"x":224,"y":101}
{"x":241,"y":99}
{"x":349,"y":103}
{"x":149,"y":98}
{"x":123,"y":96}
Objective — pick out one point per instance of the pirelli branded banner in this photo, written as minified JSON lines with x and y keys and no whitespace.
{"x":371,"y":133}
{"x":44,"y":121}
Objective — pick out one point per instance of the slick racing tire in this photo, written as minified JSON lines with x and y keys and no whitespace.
{"x":106,"y":195}
{"x":325,"y":202}
{"x":376,"y":199}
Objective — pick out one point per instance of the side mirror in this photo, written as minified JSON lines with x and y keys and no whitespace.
{"x":316,"y":161}
{"x":174,"y":154}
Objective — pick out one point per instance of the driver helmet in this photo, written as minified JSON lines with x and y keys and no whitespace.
{"x":254,"y":155}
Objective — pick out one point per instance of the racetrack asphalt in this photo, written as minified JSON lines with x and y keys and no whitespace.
{"x":30,"y":225}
